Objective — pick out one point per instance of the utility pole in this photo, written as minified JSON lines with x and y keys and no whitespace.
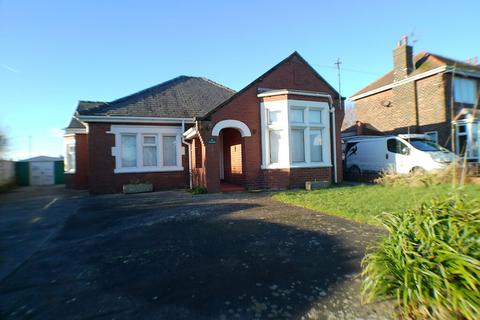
{"x":29,"y":146}
{"x":338,"y":63}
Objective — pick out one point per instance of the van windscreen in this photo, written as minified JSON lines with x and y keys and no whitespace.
{"x":426,"y":145}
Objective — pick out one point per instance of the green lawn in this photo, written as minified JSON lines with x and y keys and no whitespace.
{"x":364,"y":202}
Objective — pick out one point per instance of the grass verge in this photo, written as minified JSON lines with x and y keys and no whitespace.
{"x":364,"y":203}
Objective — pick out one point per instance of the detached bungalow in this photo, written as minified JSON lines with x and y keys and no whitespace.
{"x":279,"y":131}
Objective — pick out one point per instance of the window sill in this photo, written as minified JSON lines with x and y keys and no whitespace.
{"x":139,"y":170}
{"x":296,"y":166}
{"x":70,"y":172}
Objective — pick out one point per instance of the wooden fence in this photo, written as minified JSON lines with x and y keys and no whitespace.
{"x":7,"y":172}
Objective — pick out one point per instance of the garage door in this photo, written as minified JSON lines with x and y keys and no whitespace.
{"x":41,"y":173}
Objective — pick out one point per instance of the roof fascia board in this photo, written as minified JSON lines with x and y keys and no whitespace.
{"x":126,"y":119}
{"x":190,"y":133}
{"x":295,"y":92}
{"x":75,"y":130}
{"x":399,"y":83}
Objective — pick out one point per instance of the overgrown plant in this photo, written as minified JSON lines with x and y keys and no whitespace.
{"x":449,"y":174}
{"x":429,"y":262}
{"x":199,"y":190}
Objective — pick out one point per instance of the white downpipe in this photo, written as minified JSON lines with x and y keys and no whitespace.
{"x":332,"y":110}
{"x":189,"y":145}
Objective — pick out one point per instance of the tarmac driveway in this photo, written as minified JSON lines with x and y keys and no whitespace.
{"x":171,"y":255}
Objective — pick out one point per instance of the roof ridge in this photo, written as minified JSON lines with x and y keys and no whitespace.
{"x":90,"y":101}
{"x":217,"y":84}
{"x":149,"y":89}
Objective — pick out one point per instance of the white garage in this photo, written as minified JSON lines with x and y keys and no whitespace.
{"x":41,"y":171}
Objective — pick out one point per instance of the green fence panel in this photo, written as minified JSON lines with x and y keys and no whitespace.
{"x":59,"y":172}
{"x":22,"y":173}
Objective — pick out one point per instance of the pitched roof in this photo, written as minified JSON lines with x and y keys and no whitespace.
{"x":294,"y":54}
{"x":181,"y":97}
{"x":42,"y":159}
{"x":82,"y":105}
{"x":423,"y":62}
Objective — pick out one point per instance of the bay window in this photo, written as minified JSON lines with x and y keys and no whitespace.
{"x":274,"y":144}
{"x":146,"y":148}
{"x":297,"y":140}
{"x":316,"y":145}
{"x":295,"y":134}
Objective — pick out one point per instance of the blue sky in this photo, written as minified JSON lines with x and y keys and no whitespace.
{"x":54,"y":53}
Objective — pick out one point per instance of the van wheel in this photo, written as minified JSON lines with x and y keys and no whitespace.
{"x":416,"y":170}
{"x":354,"y":171}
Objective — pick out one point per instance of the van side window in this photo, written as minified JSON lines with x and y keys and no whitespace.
{"x":396,"y":146}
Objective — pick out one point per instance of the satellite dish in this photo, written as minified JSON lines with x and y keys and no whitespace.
{"x":386,"y":103}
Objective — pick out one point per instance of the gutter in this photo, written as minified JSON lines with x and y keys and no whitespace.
{"x":334,"y":125}
{"x":128,"y":119}
{"x":189,"y":145}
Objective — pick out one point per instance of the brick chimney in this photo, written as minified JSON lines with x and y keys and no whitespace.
{"x":402,"y":60}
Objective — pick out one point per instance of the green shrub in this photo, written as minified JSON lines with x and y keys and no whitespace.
{"x":429,"y":262}
{"x":199,"y":190}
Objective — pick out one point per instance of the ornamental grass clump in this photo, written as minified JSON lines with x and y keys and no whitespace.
{"x":429,"y":262}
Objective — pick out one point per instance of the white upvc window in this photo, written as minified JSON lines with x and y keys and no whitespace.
{"x":150,"y":150}
{"x":70,"y":164}
{"x":147,"y":148}
{"x":299,"y":136}
{"x":465,"y":90}
{"x":467,"y":139}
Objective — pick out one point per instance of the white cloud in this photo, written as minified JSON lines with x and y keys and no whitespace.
{"x":55,"y":132}
{"x":4,"y":66}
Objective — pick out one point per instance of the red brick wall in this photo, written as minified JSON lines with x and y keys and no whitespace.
{"x":102,"y":179}
{"x":417,"y":107}
{"x":245,"y":107}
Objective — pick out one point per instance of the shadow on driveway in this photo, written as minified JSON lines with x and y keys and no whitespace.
{"x":228,"y":259}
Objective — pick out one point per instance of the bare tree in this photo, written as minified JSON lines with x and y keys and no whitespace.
{"x":350,"y":115}
{"x":3,"y":145}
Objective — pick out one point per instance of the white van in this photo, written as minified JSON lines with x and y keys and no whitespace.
{"x":399,"y":154}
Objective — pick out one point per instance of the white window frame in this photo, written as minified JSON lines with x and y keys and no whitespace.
{"x":155,"y":144}
{"x":140,"y":132}
{"x":285,"y":152}
{"x":434,"y":133}
{"x":471,"y":138}
{"x":69,"y":168}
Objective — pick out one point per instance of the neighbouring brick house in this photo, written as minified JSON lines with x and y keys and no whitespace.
{"x":279,"y":131}
{"x":417,"y":97}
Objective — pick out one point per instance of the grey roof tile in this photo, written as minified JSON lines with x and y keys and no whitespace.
{"x":181,"y":97}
